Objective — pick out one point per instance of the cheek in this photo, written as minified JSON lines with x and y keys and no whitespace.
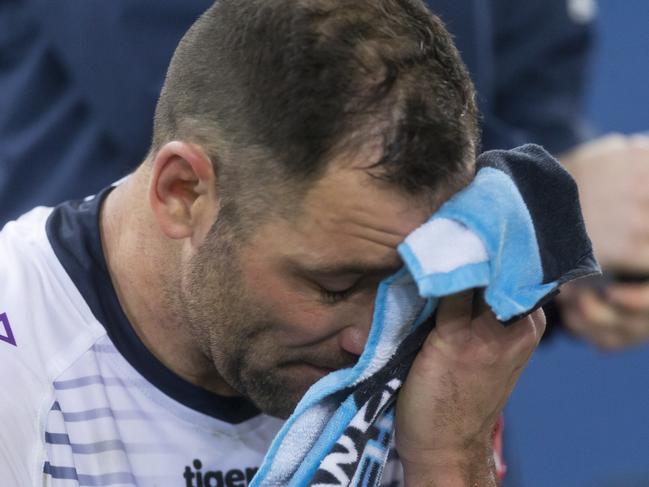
{"x":296,"y":314}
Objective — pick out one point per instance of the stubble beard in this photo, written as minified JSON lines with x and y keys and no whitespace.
{"x":230,"y":330}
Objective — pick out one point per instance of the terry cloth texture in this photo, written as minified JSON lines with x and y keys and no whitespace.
{"x":516,"y":232}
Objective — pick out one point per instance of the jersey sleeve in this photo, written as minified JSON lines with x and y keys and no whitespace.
{"x":20,"y":446}
{"x":23,"y":377}
{"x":42,"y":330}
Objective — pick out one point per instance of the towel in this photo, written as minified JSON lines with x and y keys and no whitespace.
{"x":516,"y":232}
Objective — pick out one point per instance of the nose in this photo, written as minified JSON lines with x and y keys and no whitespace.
{"x":353,"y":338}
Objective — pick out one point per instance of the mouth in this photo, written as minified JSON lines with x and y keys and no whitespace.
{"x":312,"y":371}
{"x":315,"y":370}
{"x":322,"y":370}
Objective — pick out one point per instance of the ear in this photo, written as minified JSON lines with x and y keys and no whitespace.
{"x":183,"y":190}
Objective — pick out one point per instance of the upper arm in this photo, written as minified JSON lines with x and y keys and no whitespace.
{"x":20,"y":401}
{"x":541,"y":54}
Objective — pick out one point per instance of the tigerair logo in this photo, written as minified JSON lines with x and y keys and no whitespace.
{"x":196,"y":477}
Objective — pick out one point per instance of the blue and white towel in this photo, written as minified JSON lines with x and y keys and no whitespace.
{"x":516,"y":231}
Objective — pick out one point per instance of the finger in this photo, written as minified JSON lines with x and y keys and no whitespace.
{"x":454,"y":313}
{"x":595,"y":311}
{"x":607,"y":341}
{"x":540,"y":323}
{"x":574,"y":322}
{"x":484,"y":322}
{"x":569,"y":300}
{"x":603,"y":334}
{"x":622,"y":336}
{"x":640,"y":141}
{"x":524,"y":335}
{"x":630,"y":330}
{"x":480,"y":306}
{"x":637,"y":331}
{"x":566,"y":294}
{"x":623,"y":331}
{"x":630,"y":297}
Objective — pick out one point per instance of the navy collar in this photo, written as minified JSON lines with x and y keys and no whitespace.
{"x":73,"y":232}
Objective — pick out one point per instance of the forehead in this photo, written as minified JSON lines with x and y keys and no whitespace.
{"x":347,"y":201}
{"x":348,"y":219}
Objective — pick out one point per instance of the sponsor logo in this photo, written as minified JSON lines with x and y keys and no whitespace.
{"x":196,"y":477}
{"x":8,"y":335}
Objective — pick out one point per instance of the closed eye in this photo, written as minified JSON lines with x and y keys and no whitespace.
{"x":332,"y":297}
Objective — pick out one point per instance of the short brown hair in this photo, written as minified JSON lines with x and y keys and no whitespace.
{"x":275,"y":88}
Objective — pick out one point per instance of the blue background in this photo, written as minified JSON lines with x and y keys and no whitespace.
{"x":578,"y":417}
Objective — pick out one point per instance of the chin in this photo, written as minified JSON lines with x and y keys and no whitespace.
{"x":277,"y":391}
{"x":280,"y":408}
{"x":280,"y":401}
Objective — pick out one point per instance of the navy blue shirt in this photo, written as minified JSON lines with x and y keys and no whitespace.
{"x":79,"y":81}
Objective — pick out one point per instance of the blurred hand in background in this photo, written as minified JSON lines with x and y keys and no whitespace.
{"x":612,"y":173}
{"x":614,"y":318}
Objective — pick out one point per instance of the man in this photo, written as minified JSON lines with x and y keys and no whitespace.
{"x":78,"y":115}
{"x":170,"y":318}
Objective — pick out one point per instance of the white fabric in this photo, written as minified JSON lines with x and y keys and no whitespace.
{"x":71,"y":401}
{"x":111,"y":420}
{"x":446,"y":245}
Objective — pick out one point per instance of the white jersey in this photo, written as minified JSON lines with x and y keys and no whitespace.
{"x":84,"y":402}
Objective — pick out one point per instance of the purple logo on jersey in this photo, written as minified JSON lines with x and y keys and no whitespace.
{"x":8,"y":336}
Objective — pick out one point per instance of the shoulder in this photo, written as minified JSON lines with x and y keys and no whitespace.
{"x":43,"y":312}
{"x":44,"y":326}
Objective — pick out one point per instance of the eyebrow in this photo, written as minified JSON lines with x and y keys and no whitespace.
{"x":345,"y":268}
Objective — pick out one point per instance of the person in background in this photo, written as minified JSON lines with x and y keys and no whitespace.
{"x":529,"y":61}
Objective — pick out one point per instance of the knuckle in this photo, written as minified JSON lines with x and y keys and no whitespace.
{"x":530,"y":339}
{"x":615,"y":140}
{"x":638,"y":227}
{"x":540,"y":321}
{"x":639,"y":140}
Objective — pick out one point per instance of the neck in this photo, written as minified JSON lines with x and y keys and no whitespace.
{"x":138,"y":256}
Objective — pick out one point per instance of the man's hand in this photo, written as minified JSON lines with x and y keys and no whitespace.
{"x":616,"y":319}
{"x":455,"y":392}
{"x":612,"y":174}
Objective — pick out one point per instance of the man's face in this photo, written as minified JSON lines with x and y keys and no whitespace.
{"x":295,"y":301}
